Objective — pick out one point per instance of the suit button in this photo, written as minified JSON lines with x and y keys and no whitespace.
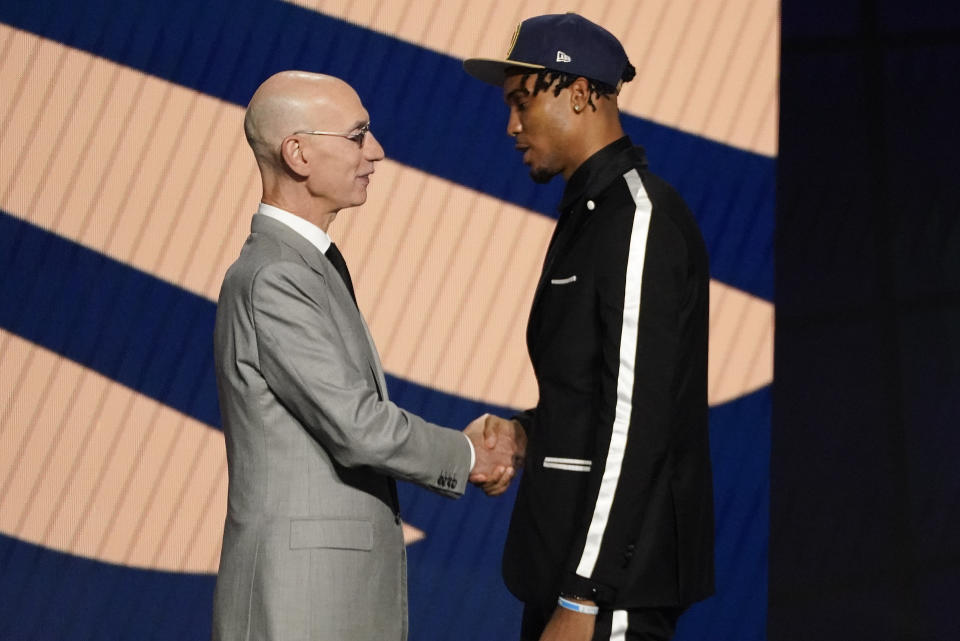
{"x":591,"y":205}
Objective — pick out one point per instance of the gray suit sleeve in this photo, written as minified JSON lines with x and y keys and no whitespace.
{"x":306,"y":363}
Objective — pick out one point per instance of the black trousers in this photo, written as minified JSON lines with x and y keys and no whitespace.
{"x":640,"y":624}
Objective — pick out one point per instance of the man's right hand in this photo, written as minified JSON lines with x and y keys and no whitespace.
{"x":500,"y":446}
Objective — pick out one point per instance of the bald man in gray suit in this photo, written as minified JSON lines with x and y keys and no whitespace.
{"x":312,"y":544}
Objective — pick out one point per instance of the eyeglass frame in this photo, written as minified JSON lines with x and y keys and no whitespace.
{"x":357,"y":136}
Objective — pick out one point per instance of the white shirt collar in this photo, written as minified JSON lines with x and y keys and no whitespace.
{"x":317,"y":237}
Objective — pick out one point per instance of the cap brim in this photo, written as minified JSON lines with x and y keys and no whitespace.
{"x":493,"y":71}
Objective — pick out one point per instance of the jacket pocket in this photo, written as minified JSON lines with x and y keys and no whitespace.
{"x":567,"y":464}
{"x":329,"y":533}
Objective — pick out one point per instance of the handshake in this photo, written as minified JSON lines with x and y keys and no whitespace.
{"x":500,"y":446}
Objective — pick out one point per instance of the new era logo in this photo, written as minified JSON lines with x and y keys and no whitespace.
{"x":562,"y":57}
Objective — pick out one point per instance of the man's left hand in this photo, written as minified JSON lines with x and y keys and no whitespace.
{"x":567,"y":625}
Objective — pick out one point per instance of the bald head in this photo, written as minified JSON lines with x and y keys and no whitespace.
{"x":291,"y":101}
{"x":311,"y":137}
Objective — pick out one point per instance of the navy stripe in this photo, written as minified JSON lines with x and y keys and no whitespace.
{"x":51,"y":595}
{"x":427,"y":112}
{"x":139,"y":330}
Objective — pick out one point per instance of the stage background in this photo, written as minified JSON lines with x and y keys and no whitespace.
{"x":126,"y":190}
{"x":865,"y":493}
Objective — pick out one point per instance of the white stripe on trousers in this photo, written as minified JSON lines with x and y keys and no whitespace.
{"x":618,"y":626}
{"x":628,"y":355}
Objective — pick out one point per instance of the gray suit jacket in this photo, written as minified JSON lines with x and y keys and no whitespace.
{"x":312,"y":544}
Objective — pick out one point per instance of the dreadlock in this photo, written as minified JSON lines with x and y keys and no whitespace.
{"x":560,"y":80}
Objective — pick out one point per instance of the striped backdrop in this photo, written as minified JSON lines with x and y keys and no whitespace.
{"x":126,"y":189}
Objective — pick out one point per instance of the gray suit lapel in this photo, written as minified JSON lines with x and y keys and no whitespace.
{"x":312,"y":256}
{"x":315,"y":259}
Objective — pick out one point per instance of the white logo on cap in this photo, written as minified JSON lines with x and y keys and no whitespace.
{"x":562,"y":57}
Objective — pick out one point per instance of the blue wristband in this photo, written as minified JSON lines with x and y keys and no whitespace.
{"x":577,"y":607}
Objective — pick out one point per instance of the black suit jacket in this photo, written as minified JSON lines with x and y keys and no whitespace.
{"x":615,"y":503}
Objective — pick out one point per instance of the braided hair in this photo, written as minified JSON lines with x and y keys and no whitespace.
{"x":559,"y":80}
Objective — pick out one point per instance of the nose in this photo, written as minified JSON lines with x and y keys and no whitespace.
{"x":372,"y":150}
{"x":513,"y":123}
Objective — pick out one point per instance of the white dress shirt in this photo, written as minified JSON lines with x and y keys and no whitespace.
{"x":317,"y":237}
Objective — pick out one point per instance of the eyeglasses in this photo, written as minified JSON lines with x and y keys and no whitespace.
{"x":356,"y":136}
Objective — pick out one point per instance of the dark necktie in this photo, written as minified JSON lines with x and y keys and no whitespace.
{"x":336,"y":259}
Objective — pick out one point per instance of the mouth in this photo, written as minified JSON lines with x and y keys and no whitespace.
{"x":524,"y":149}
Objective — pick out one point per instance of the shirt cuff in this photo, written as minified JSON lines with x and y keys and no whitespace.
{"x":473,"y":452}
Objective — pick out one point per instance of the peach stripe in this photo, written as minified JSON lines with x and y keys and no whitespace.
{"x":84,"y":467}
{"x":760,"y":30}
{"x":157,"y":176}
{"x":741,"y":343}
{"x":704,"y":66}
{"x":94,"y":469}
{"x":412,"y":535}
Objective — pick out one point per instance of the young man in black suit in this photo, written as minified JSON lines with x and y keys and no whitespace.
{"x":612,"y":532}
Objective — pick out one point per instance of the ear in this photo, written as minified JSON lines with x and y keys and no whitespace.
{"x":579,"y":94}
{"x":295,"y":156}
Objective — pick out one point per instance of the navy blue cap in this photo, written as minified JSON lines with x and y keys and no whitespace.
{"x":562,"y":42}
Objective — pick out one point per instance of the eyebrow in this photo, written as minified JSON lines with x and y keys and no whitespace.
{"x":519,"y":92}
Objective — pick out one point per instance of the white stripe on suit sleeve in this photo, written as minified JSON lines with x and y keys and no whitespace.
{"x":628,"y":355}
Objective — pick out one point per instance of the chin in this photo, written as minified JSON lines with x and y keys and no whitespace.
{"x":542,"y":176}
{"x":360,"y":198}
